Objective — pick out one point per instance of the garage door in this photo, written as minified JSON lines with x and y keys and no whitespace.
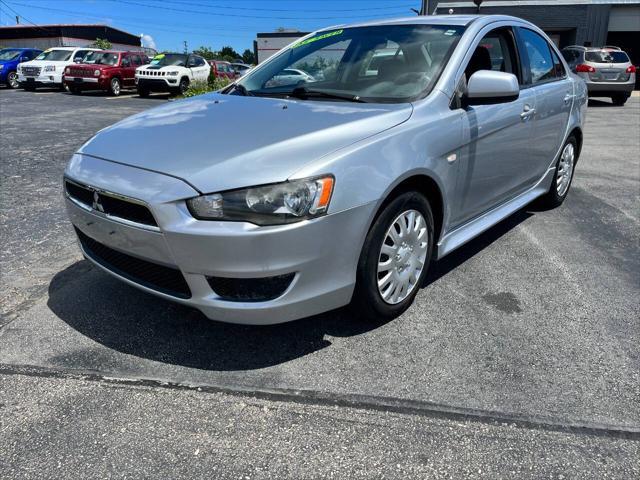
{"x":624,"y":19}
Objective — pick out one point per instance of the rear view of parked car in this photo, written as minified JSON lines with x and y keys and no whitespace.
{"x":10,"y":58}
{"x":110,"y":71}
{"x":221,"y":69}
{"x":607,"y":71}
{"x":241,"y":68}
{"x":47,"y":69}
{"x":171,"y":72}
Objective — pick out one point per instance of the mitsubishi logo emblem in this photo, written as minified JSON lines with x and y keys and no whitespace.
{"x":96,"y":202}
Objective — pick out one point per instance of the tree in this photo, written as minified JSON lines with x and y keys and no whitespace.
{"x":102,"y":43}
{"x":206,"y":53}
{"x":249,"y":57}
{"x":228,"y":53}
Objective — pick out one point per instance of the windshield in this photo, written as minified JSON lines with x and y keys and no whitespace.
{"x":101,"y":58}
{"x":606,"y":57}
{"x":9,"y":54}
{"x":168,"y":59}
{"x":55,"y":55}
{"x":388,"y":63}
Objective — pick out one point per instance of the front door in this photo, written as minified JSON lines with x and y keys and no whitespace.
{"x":494,"y":160}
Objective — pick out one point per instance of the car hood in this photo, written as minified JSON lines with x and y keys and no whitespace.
{"x":219,"y":142}
{"x":4,"y":62}
{"x":40,"y":63}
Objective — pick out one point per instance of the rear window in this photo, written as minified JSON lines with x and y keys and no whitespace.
{"x":606,"y":57}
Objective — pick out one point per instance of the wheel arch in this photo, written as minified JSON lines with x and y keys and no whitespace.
{"x":577,"y":134}
{"x":427,"y":186}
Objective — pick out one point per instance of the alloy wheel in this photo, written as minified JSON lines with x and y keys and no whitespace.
{"x":402,"y":256}
{"x":115,"y":87}
{"x":12,"y":79}
{"x":565,"y":169}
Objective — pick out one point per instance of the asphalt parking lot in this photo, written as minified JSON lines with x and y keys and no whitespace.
{"x":518,"y":359}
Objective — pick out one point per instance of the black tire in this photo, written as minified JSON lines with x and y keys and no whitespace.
{"x":552,"y":198}
{"x":114,"y":89}
{"x":367,"y":302}
{"x":619,"y":99}
{"x":183,"y":85}
{"x":143,"y":92}
{"x":75,"y":90}
{"x":12,"y":80}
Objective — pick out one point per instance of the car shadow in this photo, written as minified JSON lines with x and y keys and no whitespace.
{"x":600,"y":103}
{"x":130,"y":321}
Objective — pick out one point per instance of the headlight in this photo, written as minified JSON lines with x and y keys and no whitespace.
{"x":67,"y":70}
{"x":96,"y":73}
{"x":1,"y":66}
{"x":50,"y":68}
{"x":276,"y":204}
{"x":173,"y":74}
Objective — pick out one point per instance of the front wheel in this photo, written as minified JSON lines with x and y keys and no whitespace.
{"x":565,"y":166}
{"x":12,"y":80}
{"x":394,"y":259}
{"x":143,"y":92}
{"x":114,"y":87}
{"x":184,"y":85}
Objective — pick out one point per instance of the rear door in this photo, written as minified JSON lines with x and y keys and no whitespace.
{"x":546,"y":76}
{"x":128,"y":69}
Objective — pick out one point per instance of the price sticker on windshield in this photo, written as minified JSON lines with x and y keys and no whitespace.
{"x":319,"y":37}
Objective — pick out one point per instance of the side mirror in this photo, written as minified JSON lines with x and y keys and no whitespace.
{"x":489,"y":87}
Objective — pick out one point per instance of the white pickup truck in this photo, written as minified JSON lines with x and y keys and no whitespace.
{"x":47,"y":69}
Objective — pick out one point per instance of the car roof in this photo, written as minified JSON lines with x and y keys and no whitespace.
{"x":456,"y":20}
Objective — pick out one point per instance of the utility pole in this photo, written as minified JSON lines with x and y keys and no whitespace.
{"x":17,"y":20}
{"x":186,"y":50}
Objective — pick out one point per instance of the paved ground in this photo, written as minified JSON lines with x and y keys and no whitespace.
{"x":519,"y":358}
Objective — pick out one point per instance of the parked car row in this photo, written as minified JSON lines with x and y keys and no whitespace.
{"x":79,"y":69}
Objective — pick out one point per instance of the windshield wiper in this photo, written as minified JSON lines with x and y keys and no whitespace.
{"x":304,"y":93}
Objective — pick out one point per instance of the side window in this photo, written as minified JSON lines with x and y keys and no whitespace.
{"x":135,"y":59}
{"x":541,"y":63}
{"x":200,"y":62}
{"x":496,"y":51}
{"x":126,"y":61}
{"x":558,"y":68}
{"x":80,"y":54}
{"x":569,"y":55}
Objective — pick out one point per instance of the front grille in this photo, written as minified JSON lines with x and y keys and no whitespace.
{"x":115,"y":207}
{"x":250,"y":289}
{"x":31,"y":71}
{"x":151,"y":275}
{"x":80,"y":72}
{"x":152,"y":73}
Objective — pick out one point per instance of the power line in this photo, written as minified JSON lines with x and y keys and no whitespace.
{"x":254,"y":9}
{"x":201,"y":12}
{"x":22,"y":16}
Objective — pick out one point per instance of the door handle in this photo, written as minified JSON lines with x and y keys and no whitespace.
{"x":527,"y":112}
{"x":568,"y":97}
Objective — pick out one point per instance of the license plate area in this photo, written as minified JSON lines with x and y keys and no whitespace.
{"x":77,"y":80}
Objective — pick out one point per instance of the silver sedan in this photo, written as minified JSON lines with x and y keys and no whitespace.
{"x":342,"y":188}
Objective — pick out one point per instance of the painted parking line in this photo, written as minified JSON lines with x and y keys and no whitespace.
{"x":46,"y":93}
{"x":122,"y":96}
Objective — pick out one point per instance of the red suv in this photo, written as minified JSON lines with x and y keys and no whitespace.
{"x":104,"y":70}
{"x":221,"y":69}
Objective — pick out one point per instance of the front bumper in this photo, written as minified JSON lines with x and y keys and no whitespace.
{"x":322,"y":253}
{"x":42,"y":80}
{"x":165,"y":84}
{"x":86,"y":83}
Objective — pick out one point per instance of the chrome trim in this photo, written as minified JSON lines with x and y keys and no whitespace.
{"x":113,"y":218}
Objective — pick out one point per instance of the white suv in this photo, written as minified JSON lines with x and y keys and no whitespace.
{"x":47,"y":69}
{"x":171,"y":72}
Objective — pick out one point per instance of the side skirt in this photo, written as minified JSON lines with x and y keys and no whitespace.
{"x":475,"y":227}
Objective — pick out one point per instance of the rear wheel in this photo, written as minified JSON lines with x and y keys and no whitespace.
{"x":12,"y":80}
{"x":114,"y":87}
{"x":74,"y":90}
{"x":565,"y":166}
{"x":619,"y":99}
{"x":394,"y":259}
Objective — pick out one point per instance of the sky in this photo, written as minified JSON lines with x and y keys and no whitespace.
{"x":166,"y":24}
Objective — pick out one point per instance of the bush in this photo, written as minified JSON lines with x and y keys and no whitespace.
{"x":211,"y":85}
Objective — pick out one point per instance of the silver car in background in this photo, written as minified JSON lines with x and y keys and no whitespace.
{"x":340,"y":188}
{"x":607,"y":71}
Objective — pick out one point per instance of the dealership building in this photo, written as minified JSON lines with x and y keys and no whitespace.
{"x":48,"y":36}
{"x":567,"y":22}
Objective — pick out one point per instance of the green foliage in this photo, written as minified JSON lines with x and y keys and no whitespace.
{"x":102,"y":43}
{"x":211,"y":85}
{"x":228,"y":54}
{"x":206,"y":53}
{"x":249,"y":57}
